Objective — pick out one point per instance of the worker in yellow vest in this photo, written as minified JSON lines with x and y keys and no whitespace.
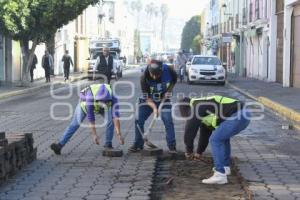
{"x":219,"y":118}
{"x":95,"y":99}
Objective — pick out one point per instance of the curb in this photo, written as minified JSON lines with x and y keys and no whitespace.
{"x":32,"y":89}
{"x":274,"y":106}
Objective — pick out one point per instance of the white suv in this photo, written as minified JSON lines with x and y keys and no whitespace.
{"x":206,"y":69}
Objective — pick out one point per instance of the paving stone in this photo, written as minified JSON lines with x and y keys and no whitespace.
{"x":54,"y":197}
{"x":96,"y":197}
{"x":284,"y":196}
{"x":32,"y":198}
{"x":117,"y":198}
{"x":263,"y":198}
{"x":280,"y":191}
{"x":118,"y":195}
{"x":262,"y":193}
{"x":139,"y":198}
{"x":11,"y":196}
{"x":99,"y":192}
{"x":77,"y":194}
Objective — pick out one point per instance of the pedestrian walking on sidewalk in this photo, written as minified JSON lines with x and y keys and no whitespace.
{"x":47,"y":64}
{"x":67,"y":60}
{"x":95,"y":99}
{"x":33,"y":66}
{"x":225,"y":117}
{"x":157,"y":83}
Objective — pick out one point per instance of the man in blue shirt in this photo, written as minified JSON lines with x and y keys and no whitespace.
{"x":157,"y":83}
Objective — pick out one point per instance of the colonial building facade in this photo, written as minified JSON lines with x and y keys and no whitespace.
{"x":256,"y":38}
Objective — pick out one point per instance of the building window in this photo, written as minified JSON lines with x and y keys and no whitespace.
{"x":279,"y":6}
{"x":257,"y":13}
{"x":76,"y":25}
{"x":251,"y":12}
{"x":80,"y":24}
{"x":244,"y":16}
{"x":237,"y":21}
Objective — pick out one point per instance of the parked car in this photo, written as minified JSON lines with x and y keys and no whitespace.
{"x":206,"y":69}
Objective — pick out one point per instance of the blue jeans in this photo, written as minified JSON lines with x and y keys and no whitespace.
{"x":220,"y":138}
{"x":78,"y":116}
{"x":143,"y":113}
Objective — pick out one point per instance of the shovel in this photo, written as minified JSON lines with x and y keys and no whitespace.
{"x":152,"y":123}
{"x":145,"y":138}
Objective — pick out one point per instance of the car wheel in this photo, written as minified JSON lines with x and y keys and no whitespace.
{"x":120,"y":74}
{"x":189,"y":81}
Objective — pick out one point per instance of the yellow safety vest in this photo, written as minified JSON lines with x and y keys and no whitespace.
{"x":97,"y":105}
{"x":211,"y":120}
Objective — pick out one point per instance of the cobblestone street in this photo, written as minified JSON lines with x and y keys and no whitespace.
{"x":268,"y":156}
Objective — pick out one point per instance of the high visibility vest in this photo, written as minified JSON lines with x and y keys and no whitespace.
{"x":211,"y":120}
{"x":97,"y":105}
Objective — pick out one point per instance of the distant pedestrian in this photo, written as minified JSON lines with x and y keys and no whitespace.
{"x":47,"y":64}
{"x":105,"y":64}
{"x":33,"y":66}
{"x":67,"y":63}
{"x":180,"y":65}
{"x":125,"y":60}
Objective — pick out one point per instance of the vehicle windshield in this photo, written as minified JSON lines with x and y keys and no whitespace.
{"x":206,"y":61}
{"x":95,"y":54}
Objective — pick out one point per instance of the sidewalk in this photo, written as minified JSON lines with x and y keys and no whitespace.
{"x":7,"y":91}
{"x":284,"y":101}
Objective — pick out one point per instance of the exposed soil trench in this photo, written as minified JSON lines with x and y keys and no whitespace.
{"x":181,"y":179}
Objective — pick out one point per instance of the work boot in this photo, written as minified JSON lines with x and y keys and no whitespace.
{"x":134,"y":149}
{"x":56,"y":148}
{"x":172,"y":149}
{"x":217,"y":178}
{"x":189,"y":156}
{"x":108,"y":146}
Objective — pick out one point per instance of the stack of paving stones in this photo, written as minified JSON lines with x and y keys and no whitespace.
{"x":16,"y":151}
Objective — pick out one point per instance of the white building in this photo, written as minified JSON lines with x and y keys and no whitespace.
{"x":291,"y":49}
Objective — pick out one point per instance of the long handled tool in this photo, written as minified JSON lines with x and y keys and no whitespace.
{"x":146,"y":140}
{"x":153,"y":122}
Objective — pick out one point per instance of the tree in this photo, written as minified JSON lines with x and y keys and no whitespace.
{"x":36,"y":21}
{"x":137,"y":45}
{"x":190,"y":31}
{"x":137,"y":6}
{"x":196,"y":44}
{"x":164,"y":10}
{"x":152,"y":13}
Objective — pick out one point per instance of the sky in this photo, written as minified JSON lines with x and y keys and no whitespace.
{"x":184,"y":9}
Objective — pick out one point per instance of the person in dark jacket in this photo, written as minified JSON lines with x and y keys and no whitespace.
{"x":47,"y":64}
{"x":220,"y":118}
{"x":67,"y":63}
{"x":105,"y":65}
{"x":33,"y":66}
{"x":157,"y":83}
